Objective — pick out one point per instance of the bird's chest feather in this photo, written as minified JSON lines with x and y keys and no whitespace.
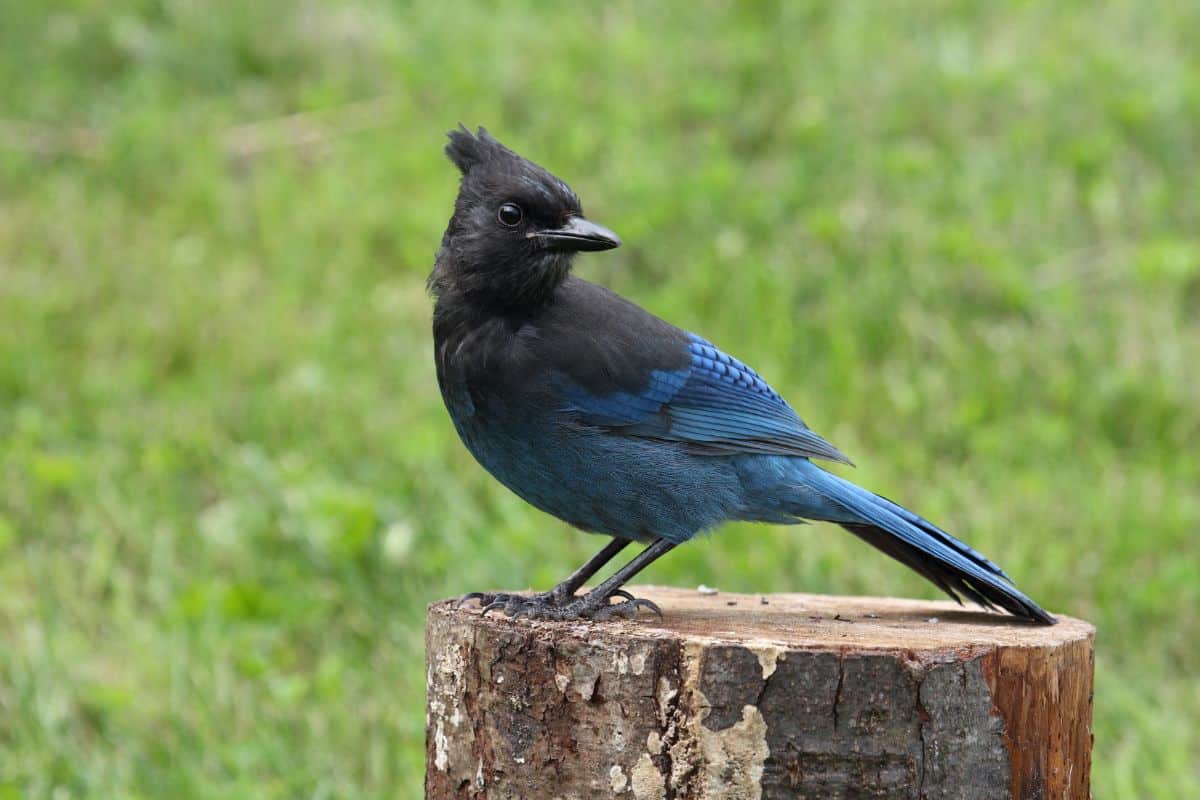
{"x":510,"y":429}
{"x":484,"y":380}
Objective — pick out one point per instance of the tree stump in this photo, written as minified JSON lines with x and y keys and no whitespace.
{"x":748,"y":696}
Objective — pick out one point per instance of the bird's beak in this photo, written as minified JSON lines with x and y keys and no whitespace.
{"x":578,"y":234}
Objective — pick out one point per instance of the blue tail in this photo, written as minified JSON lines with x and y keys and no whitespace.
{"x":949,"y":564}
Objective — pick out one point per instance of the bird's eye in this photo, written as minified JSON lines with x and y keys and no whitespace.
{"x":509,"y":214}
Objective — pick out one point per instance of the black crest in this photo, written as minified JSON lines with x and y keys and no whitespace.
{"x":468,"y":149}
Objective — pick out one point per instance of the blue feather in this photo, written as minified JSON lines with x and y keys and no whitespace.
{"x":948,"y":562}
{"x":715,"y":405}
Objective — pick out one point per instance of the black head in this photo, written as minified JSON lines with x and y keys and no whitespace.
{"x":515,"y":229}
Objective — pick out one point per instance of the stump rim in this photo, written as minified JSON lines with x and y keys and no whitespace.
{"x":805,"y":622}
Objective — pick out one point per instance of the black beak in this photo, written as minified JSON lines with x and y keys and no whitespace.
{"x":578,"y":234}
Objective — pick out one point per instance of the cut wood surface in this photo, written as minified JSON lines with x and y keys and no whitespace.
{"x":749,"y":696}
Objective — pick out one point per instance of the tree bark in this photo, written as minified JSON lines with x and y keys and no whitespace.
{"x":747,"y":696}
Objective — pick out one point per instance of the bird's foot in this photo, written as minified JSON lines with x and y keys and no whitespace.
{"x":509,"y":602}
{"x":549,"y":606}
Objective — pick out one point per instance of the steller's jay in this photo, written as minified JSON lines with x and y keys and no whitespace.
{"x":619,"y":423}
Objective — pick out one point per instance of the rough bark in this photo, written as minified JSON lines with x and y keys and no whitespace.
{"x":740,"y":696}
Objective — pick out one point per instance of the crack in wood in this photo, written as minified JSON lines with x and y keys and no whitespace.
{"x":837,"y":694}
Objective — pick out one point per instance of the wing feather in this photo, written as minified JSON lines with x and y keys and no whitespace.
{"x":715,"y":405}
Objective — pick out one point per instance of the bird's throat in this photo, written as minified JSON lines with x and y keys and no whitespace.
{"x":499,"y":286}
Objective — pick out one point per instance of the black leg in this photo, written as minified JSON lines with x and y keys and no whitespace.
{"x":567,"y":588}
{"x":659,"y":548}
{"x":595,"y":604}
{"x":561,"y":594}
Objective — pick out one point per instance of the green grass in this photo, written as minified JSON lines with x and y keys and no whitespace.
{"x":960,"y":237}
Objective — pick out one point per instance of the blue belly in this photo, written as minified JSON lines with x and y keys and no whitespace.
{"x":601,"y":481}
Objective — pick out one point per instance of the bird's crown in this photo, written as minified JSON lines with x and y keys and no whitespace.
{"x":490,"y":169}
{"x":468,"y":150}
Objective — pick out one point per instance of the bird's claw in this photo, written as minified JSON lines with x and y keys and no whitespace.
{"x":515,"y":606}
{"x":508,"y":602}
{"x":492,"y":606}
{"x":548,"y":606}
{"x":483,"y":597}
{"x":627,"y":609}
{"x":639,"y":602}
{"x":649,"y":605}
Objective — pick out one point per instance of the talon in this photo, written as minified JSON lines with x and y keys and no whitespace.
{"x":466,"y":598}
{"x":634,"y":604}
{"x":649,"y":605}
{"x":548,"y":605}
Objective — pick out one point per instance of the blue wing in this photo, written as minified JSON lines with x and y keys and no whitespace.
{"x":715,"y":405}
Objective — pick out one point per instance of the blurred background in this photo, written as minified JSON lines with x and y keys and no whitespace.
{"x":960,"y":237}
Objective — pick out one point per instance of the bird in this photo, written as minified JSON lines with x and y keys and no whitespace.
{"x":619,"y":423}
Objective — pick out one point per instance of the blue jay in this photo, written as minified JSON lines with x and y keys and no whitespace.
{"x":600,"y":413}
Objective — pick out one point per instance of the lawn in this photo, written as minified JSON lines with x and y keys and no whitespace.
{"x":962,"y":238}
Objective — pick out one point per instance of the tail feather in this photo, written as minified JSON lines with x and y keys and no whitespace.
{"x":951,"y":565}
{"x":945,"y":538}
